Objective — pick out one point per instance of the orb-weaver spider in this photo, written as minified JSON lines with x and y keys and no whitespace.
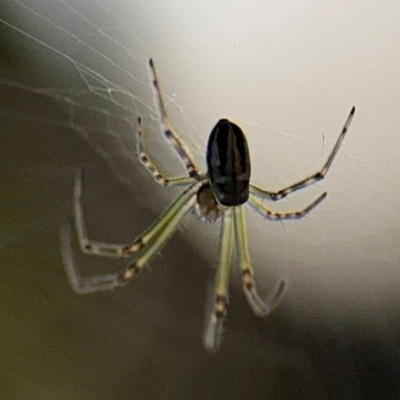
{"x":218,"y":193}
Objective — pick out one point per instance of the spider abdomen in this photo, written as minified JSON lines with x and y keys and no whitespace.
{"x":228,"y":163}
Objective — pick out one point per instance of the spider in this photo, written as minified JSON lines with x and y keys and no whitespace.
{"x":216,"y":194}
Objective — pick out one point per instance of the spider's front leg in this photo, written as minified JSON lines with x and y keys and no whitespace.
{"x":150,"y":243}
{"x":310,"y":179}
{"x":214,"y":322}
{"x":89,"y":246}
{"x":233,"y":221}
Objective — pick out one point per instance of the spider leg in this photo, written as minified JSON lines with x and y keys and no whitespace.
{"x":310,"y":179}
{"x":168,"y":132}
{"x":258,"y":205}
{"x":150,"y":166}
{"x":259,"y":306}
{"x":170,"y":221}
{"x":213,"y":329}
{"x":113,"y":250}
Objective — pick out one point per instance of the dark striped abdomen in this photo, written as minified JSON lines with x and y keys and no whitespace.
{"x":228,"y":163}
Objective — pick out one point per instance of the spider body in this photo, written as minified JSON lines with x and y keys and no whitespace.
{"x":207,"y":208}
{"x":217,"y":194}
{"x":228,"y":162}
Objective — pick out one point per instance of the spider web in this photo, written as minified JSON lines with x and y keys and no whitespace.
{"x":95,"y":98}
{"x":88,"y":77}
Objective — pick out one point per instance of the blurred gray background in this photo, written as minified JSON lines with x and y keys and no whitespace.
{"x":73,"y":79}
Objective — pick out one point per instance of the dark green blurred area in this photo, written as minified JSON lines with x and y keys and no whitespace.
{"x":140,"y":341}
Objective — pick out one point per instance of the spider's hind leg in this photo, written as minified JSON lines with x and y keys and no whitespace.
{"x":168,"y":132}
{"x":310,"y":179}
{"x":257,"y":204}
{"x":151,"y":167}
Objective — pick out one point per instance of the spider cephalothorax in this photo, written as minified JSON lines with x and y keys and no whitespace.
{"x":219,"y":193}
{"x":207,"y":207}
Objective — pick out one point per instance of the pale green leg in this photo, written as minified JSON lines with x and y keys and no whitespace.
{"x":168,"y":132}
{"x":310,"y":180}
{"x":114,"y":250}
{"x":151,"y":167}
{"x":213,"y":329}
{"x":258,"y":205}
{"x":151,"y":243}
{"x":259,"y":307}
